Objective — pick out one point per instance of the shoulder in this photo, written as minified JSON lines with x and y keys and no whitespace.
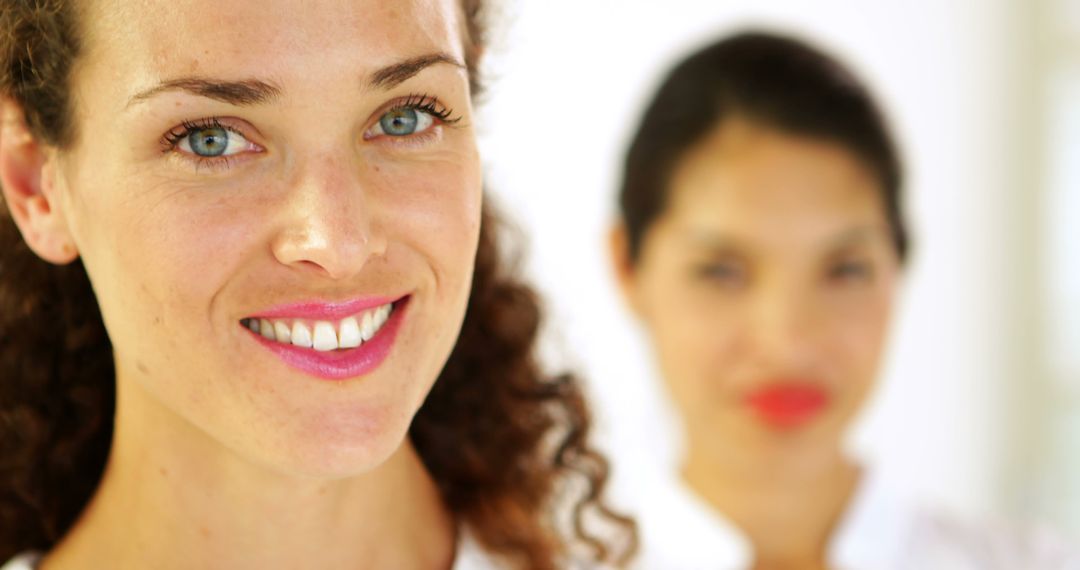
{"x":24,"y":561}
{"x":948,"y":541}
{"x":889,"y":527}
{"x":680,"y":531}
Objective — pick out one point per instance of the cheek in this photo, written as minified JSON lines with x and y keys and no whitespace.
{"x":696,"y":335}
{"x":430,"y":215}
{"x":151,"y":270}
{"x":433,"y":208}
{"x":187,"y":249}
{"x":858,"y":338}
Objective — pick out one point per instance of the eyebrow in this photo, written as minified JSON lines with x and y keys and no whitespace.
{"x":393,"y":75}
{"x":713,"y":242}
{"x":860,"y":235}
{"x":719,"y":242}
{"x":255,"y":92}
{"x":240,"y":93}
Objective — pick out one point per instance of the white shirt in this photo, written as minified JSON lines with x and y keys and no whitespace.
{"x":880,"y":531}
{"x":469,"y":557}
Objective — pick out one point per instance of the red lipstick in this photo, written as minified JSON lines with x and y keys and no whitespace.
{"x":788,"y":405}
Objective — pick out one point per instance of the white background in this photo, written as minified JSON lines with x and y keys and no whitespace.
{"x":963,"y":415}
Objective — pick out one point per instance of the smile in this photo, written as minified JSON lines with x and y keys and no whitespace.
{"x":330,"y":341}
{"x":323,"y":336}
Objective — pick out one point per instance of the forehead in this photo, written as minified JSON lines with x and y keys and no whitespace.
{"x":747,"y":179}
{"x":147,"y":40}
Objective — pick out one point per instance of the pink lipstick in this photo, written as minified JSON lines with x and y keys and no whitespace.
{"x":325,"y":311}
{"x":331,"y":341}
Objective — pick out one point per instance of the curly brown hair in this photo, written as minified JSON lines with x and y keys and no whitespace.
{"x":506,"y":443}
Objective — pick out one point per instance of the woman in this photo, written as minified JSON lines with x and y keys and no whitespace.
{"x":307,"y":352}
{"x":761,"y":244}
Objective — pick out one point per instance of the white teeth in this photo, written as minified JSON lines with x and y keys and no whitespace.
{"x":266,"y":329}
{"x":325,"y":337}
{"x":301,"y":335}
{"x":350,"y":336}
{"x":282,"y":332}
{"x":367,"y":327}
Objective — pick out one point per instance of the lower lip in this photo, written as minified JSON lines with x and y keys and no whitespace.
{"x":341,"y":364}
{"x":788,"y":407}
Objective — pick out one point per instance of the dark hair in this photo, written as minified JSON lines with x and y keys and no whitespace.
{"x":769,"y":80}
{"x":503,"y":441}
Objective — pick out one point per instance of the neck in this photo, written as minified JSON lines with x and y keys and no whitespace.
{"x":172,"y":497}
{"x":787,"y":500}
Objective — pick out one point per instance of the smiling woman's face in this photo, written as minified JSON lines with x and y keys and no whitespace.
{"x":288,"y":163}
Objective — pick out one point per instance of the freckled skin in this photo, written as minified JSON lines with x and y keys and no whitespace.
{"x":180,"y":251}
{"x":170,"y":307}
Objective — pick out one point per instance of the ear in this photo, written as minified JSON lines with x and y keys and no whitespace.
{"x":623,"y":265}
{"x":28,"y":181}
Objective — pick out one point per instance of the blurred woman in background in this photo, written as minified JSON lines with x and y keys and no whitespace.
{"x":761,"y":244}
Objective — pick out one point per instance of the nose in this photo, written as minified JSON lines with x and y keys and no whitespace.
{"x":330,"y":226}
{"x":786,"y":327}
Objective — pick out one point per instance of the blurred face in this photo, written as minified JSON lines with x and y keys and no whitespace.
{"x":766,"y":287}
{"x":278,"y":205}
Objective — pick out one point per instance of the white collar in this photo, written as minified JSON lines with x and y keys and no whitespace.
{"x":877,"y":528}
{"x":680,"y":531}
{"x":470,"y":555}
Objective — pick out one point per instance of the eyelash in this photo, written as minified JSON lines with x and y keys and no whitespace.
{"x":172,"y":139}
{"x":417,"y":101}
{"x":427,"y":104}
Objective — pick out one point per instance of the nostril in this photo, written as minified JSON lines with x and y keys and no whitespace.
{"x":311,"y":265}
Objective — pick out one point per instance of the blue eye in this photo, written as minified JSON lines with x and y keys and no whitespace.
{"x":404,"y":121}
{"x":411,"y":116}
{"x":209,"y":142}
{"x":399,"y":122}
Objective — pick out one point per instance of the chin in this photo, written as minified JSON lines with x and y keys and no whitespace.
{"x":340,"y":445}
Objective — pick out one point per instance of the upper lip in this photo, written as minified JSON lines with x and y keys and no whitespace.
{"x":322,"y":310}
{"x":795,"y":383}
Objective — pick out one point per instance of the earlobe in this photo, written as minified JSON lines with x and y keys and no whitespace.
{"x":28,"y":180}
